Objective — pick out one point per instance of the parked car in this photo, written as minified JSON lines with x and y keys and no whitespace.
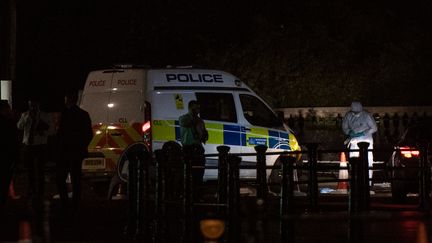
{"x":406,"y":158}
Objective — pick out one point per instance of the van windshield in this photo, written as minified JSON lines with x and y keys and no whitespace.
{"x":257,"y":113}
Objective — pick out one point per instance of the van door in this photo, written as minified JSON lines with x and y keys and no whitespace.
{"x":94,"y":100}
{"x":220,"y":116}
{"x":218,"y":110}
{"x":125,"y":110}
{"x":261,"y":127}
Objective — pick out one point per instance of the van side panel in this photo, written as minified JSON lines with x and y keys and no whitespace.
{"x":215,"y":131}
{"x":164,"y":130}
{"x":120,"y":102}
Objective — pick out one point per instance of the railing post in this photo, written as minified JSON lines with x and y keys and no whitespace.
{"x":132,"y":226}
{"x":262,"y":191}
{"x":169,"y":183}
{"x":359,"y":193}
{"x":160,"y":190}
{"x":356,"y":229}
{"x":364,"y":195}
{"x":172,"y":171}
{"x":233,"y":228}
{"x":222,"y":174}
{"x":425,"y":178}
{"x":313,"y":178}
{"x":187,"y":192}
{"x":143,"y":172}
{"x":159,"y":197}
{"x":137,"y":189}
{"x":354,"y":185}
{"x":234,"y":183}
{"x":286,"y":200}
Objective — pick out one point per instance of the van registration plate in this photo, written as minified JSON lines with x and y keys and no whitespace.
{"x":93,"y":164}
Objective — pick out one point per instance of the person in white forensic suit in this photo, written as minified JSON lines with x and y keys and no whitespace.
{"x":359,"y":125}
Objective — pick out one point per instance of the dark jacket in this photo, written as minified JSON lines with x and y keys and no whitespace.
{"x":75,"y":130}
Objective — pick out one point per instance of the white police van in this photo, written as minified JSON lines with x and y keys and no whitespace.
{"x":127,"y":105}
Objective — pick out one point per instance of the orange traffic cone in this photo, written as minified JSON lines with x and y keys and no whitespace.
{"x":12,"y":193}
{"x":422,"y":235}
{"x":25,"y":235}
{"x":343,"y":174}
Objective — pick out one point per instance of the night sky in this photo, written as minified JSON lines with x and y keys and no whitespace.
{"x":316,"y":53}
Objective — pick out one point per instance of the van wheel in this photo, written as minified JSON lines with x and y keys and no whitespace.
{"x":275,"y":179}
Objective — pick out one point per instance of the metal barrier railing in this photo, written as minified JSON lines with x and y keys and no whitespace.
{"x":139,"y":157}
{"x":171,"y":159}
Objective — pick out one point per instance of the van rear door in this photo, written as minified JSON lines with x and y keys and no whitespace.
{"x":115,"y":102}
{"x":125,"y":114}
{"x":94,"y":100}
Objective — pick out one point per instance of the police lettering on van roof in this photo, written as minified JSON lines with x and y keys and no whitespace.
{"x":112,"y":80}
{"x":137,"y":79}
{"x":160,"y":78}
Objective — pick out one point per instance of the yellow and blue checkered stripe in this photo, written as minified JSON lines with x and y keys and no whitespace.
{"x":166,"y":130}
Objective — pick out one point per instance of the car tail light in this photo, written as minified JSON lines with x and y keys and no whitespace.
{"x":146,"y":127}
{"x":408,"y":152}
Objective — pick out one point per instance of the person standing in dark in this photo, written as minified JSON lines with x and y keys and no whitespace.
{"x":300,"y":123}
{"x":9,"y":149}
{"x":73,"y":136}
{"x":193,"y":136}
{"x":396,"y":120}
{"x":36,"y":126}
{"x":405,"y":120}
{"x":291,"y":122}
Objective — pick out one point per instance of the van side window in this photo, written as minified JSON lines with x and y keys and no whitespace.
{"x":217,"y":107}
{"x":257,"y":113}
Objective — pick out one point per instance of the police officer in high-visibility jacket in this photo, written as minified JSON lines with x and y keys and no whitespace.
{"x":359,"y":125}
{"x":193,"y":136}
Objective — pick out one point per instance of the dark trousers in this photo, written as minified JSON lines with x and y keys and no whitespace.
{"x":34,"y":158}
{"x":70,"y":163}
